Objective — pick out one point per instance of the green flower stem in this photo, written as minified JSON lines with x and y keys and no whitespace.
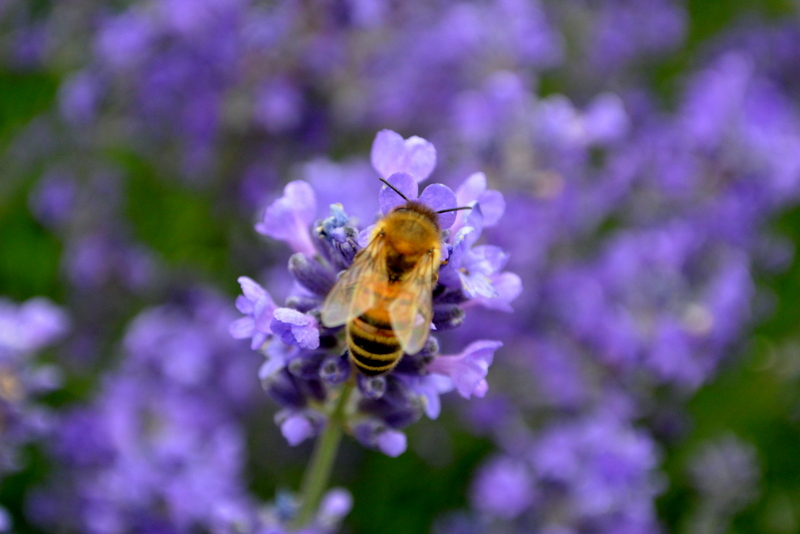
{"x":318,"y":472}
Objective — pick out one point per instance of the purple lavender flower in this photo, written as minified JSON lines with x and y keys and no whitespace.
{"x":258,"y":308}
{"x":289,"y":218}
{"x":436,"y":196}
{"x":305,"y":366}
{"x":492,"y":204}
{"x":468,"y":370}
{"x":375,"y":434}
{"x":392,"y":154}
{"x":295,"y":328}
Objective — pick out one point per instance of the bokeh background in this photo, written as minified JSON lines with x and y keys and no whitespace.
{"x":649,"y":155}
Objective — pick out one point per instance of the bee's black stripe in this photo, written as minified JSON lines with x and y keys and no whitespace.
{"x":374,"y":350}
{"x":369,"y":371}
{"x":371,"y":364}
{"x":373,"y":344}
{"x":373,"y":321}
{"x":361,"y":354}
{"x":372,"y":361}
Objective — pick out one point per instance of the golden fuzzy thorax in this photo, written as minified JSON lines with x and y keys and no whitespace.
{"x":411,"y":231}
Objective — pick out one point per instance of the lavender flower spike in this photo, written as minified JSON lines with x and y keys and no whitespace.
{"x":391,"y":154}
{"x":308,"y":371}
{"x":289,"y":218}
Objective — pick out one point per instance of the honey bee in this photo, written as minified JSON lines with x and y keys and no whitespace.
{"x":385,"y":296}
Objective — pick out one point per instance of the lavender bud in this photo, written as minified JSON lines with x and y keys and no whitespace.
{"x":338,"y":241}
{"x":448,"y":316}
{"x":314,"y":389}
{"x":306,"y":367}
{"x":398,"y":406}
{"x":415,"y":364}
{"x":284,"y":390}
{"x":372,"y":387}
{"x":334,"y":370}
{"x":311,"y":274}
{"x":376,"y":435}
{"x":443,"y":295}
{"x":286,"y":505}
{"x":303,"y":303}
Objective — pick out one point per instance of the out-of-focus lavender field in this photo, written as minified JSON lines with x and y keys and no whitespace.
{"x":616,"y":343}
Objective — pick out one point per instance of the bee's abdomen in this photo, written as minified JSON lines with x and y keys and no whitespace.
{"x":373,"y":346}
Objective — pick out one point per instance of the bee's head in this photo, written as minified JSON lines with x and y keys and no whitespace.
{"x":412,"y":205}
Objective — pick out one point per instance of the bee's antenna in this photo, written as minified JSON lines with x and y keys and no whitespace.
{"x":395,"y":189}
{"x":455,"y":209}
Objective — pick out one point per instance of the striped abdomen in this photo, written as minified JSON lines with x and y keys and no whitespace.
{"x":373,"y":346}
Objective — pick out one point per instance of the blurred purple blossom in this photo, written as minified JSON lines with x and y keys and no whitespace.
{"x":26,"y":328}
{"x":502,"y":488}
{"x":160,"y":444}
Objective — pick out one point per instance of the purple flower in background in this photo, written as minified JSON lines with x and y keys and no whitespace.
{"x":503,"y":488}
{"x":26,"y":329}
{"x":622,"y":33}
{"x":289,"y":218}
{"x":53,"y":200}
{"x":160,"y":444}
{"x":124,"y":41}
{"x":594,"y":473}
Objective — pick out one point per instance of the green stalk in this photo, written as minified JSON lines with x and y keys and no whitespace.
{"x":318,"y":472}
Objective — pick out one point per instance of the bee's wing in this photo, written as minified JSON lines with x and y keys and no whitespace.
{"x":411,"y":312}
{"x":355,"y":291}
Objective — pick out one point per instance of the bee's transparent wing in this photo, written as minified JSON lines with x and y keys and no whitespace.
{"x":356,"y":291}
{"x":411,"y":312}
